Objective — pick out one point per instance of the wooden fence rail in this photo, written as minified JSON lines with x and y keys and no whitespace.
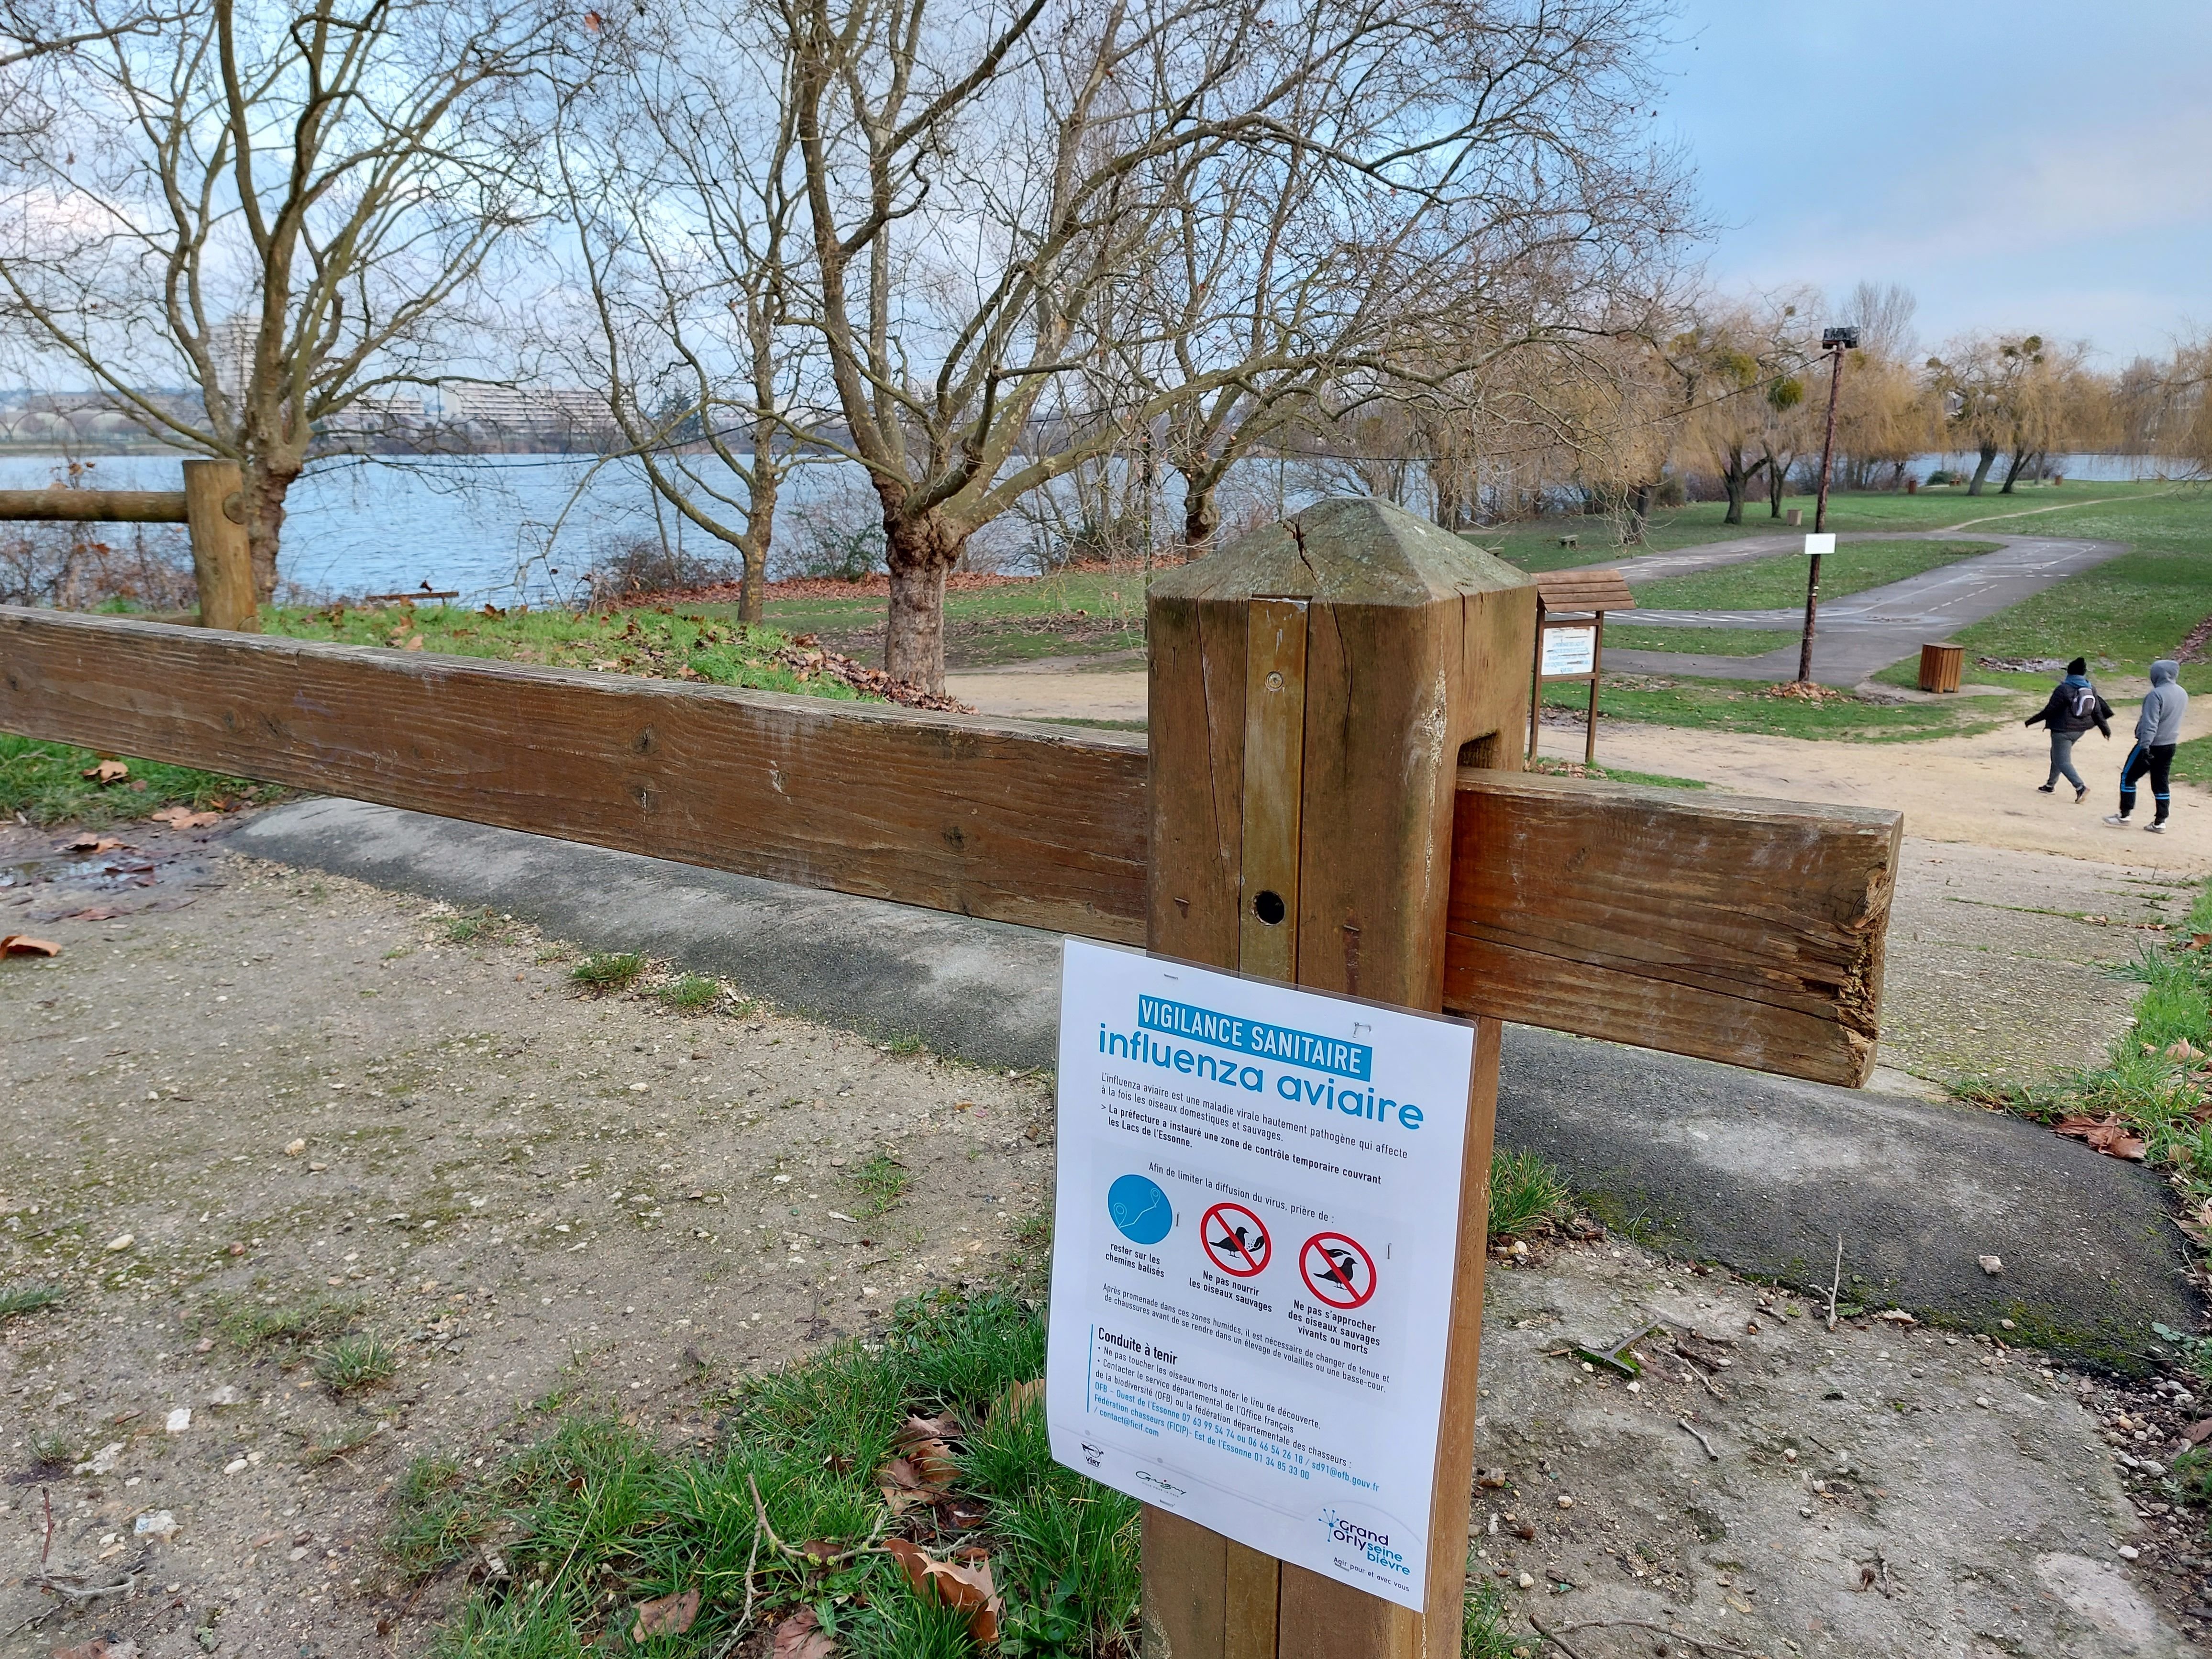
{"x":1730,"y":929}
{"x":209,"y":505}
{"x":94,"y":505}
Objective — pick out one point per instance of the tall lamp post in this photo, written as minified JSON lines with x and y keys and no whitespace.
{"x":1834,"y":342}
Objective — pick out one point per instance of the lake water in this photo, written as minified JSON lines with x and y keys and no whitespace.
{"x":503,"y":528}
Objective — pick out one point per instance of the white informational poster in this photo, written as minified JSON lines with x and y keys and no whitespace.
{"x":1819,"y":545}
{"x":1253,"y":1258}
{"x":1569,"y":650}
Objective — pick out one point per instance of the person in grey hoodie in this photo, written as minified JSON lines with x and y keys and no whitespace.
{"x":2157,"y":729}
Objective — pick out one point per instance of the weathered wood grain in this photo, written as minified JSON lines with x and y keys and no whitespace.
{"x":1725,"y":928}
{"x":1706,"y":925}
{"x":951,"y":812}
{"x":94,"y":505}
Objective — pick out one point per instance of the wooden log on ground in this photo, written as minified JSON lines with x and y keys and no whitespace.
{"x":94,"y":505}
{"x":1719,"y":926}
{"x":1706,"y":925}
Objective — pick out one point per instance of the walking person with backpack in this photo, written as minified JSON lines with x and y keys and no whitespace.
{"x":2073,"y":707}
{"x":2157,"y":729}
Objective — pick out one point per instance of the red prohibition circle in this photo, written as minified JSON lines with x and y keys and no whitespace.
{"x":1338,"y":1284}
{"x":1218,"y":1231}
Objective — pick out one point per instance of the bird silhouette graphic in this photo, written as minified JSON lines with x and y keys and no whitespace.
{"x":1343,"y":1266}
{"x":1252,"y":1241}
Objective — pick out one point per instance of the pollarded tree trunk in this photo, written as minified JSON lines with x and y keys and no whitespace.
{"x":1201,"y":517}
{"x":921,"y":554}
{"x":267,"y":482}
{"x":1989,"y":453}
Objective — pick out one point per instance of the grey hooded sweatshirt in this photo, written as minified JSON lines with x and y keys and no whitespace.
{"x":2159,"y":723}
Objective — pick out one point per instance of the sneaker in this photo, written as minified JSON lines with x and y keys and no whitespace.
{"x":2156,"y":826}
{"x":2080,"y":794}
{"x":2120,"y":818}
{"x":2045,"y":788}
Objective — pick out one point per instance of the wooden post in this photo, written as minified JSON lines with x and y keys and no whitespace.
{"x":222,"y":561}
{"x":1315,"y":688}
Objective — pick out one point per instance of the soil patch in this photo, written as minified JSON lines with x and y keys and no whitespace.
{"x":311,"y":1108}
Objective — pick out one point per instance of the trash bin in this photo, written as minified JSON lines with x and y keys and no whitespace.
{"x":1938,"y":666}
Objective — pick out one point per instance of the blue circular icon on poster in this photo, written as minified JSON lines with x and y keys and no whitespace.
{"x":1139,"y":1209}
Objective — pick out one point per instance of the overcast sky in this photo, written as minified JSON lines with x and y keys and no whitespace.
{"x":2039,"y":165}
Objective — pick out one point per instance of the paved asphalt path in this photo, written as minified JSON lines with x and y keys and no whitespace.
{"x":1857,"y":635}
{"x":1763,"y":1174}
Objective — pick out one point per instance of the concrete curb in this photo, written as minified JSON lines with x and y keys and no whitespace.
{"x":1759,"y":1173}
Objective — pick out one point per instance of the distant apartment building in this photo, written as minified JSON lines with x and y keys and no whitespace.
{"x":560,"y":417}
{"x":378,"y":415}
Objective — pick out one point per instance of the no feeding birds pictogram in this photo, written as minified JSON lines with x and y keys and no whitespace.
{"x":1236,"y":1241}
{"x":1337,"y":1269}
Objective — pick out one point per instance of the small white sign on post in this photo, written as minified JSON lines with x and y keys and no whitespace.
{"x":1817,"y":546}
{"x":1568,"y":651}
{"x":1253,"y":1258}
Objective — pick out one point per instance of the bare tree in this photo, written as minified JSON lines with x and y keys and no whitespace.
{"x":1021,"y":216}
{"x":280,"y":209}
{"x":677,"y":167}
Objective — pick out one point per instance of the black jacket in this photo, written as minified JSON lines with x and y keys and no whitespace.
{"x":2058,"y":714}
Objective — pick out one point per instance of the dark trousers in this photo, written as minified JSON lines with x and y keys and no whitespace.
{"x":2157,"y":759}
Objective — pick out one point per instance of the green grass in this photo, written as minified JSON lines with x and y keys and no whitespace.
{"x":1743,"y":706}
{"x":357,"y":1362}
{"x":1778,"y":580}
{"x":699,"y":643}
{"x":2123,"y":615}
{"x":1116,"y":596}
{"x":602,"y":1518}
{"x":1526,"y":1192}
{"x":2156,"y":1078}
{"x":882,"y":1181}
{"x":296,"y":1322}
{"x":1705,"y":641}
{"x":1553,"y":767}
{"x":1533,"y":544}
{"x":1487,"y":1633}
{"x":45,"y":782}
{"x":608,"y":970}
{"x":691,"y":993}
{"x":28,"y":1299}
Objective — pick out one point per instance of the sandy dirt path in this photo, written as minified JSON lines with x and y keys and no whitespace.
{"x":1979,"y":789}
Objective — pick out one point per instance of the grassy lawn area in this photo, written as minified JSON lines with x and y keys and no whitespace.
{"x":2123,"y":615}
{"x":46,"y":783}
{"x":1735,"y":706}
{"x":1707,"y":641}
{"x":655,"y":644}
{"x":1779,"y":581}
{"x":1075,"y":613}
{"x":1534,"y":545}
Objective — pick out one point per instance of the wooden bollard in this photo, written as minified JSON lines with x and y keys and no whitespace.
{"x":222,"y":559}
{"x":1315,"y":688}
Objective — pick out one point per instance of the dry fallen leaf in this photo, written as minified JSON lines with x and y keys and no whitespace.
{"x":666,"y":1615}
{"x":1020,"y":1398}
{"x":2107,"y":1134}
{"x":919,"y":1429}
{"x":22,"y":945}
{"x":964,"y":1589}
{"x":183,"y":817}
{"x":801,"y":1636}
{"x":904,"y":1487}
{"x":107,"y":771}
{"x":100,"y":1646}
